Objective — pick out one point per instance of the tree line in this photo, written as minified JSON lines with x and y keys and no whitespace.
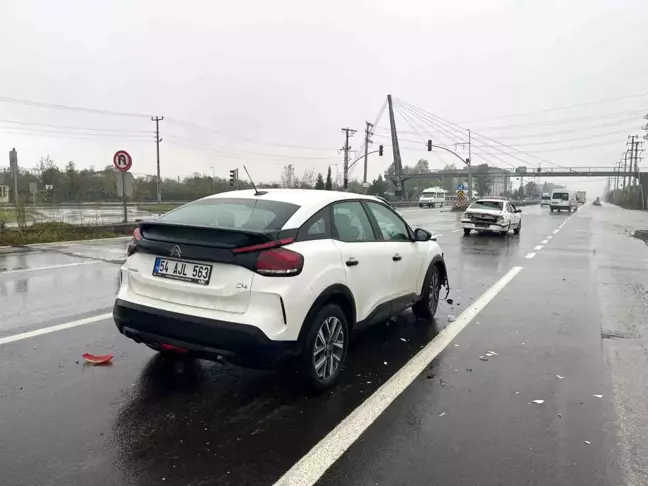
{"x":70,"y":184}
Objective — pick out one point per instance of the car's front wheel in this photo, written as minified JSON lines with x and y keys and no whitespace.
{"x":466,"y":231}
{"x":325,"y":348}
{"x":518,"y":229}
{"x":426,"y":307}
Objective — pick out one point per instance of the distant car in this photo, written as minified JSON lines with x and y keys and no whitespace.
{"x":546,"y":199}
{"x":432,"y":197}
{"x":492,"y":214}
{"x":563,"y":200}
{"x":260,"y":277}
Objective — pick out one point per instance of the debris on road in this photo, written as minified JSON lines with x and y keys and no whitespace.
{"x":456,"y":345}
{"x":385,"y":362}
{"x":517,"y":393}
{"x":98,"y":360}
{"x":451,"y":318}
{"x":483,"y":358}
{"x":449,"y":301}
{"x":598,"y":396}
{"x":559,"y":377}
{"x":587,"y":442}
{"x":442,"y":414}
{"x":493,"y":353}
{"x":539,"y":402}
{"x":404,"y":340}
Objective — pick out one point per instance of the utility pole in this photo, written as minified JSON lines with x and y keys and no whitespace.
{"x":157,"y":120}
{"x":398,"y":167}
{"x":348,"y":132}
{"x":13,"y":170}
{"x":469,"y":162}
{"x":625,"y":167}
{"x":368,"y":134}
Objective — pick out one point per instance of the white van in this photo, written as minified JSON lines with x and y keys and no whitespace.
{"x":432,"y":196}
{"x":563,"y":200}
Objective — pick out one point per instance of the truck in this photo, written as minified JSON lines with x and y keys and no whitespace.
{"x":580,"y":197}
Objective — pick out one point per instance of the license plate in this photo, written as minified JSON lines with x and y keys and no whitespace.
{"x":481,"y":225}
{"x":185,"y":271}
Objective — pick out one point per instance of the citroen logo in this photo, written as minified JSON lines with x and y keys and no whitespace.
{"x":176,"y":252}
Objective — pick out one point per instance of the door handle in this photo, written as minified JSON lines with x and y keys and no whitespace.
{"x":397,"y":257}
{"x":351,"y":262}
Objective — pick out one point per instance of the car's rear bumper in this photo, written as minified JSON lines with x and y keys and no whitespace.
{"x":204,"y":338}
{"x":485,"y":226}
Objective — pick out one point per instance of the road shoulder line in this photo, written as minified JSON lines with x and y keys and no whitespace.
{"x":324,"y":454}
{"x":59,"y":327}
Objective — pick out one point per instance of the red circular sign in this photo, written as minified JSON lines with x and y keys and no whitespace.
{"x":122,"y":160}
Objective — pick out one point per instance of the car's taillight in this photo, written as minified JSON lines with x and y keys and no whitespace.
{"x":137,"y":236}
{"x":279,"y":262}
{"x":263,"y":246}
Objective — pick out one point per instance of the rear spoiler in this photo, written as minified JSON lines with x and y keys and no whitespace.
{"x":226,"y":238}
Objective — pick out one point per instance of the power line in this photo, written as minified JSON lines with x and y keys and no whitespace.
{"x":560,"y":121}
{"x":13,"y":122}
{"x":248,"y":139}
{"x":39,"y":104}
{"x":566,"y":107}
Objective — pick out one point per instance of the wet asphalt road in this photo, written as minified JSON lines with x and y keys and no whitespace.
{"x":577,"y":309}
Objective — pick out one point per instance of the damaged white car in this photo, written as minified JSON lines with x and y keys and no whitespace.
{"x":492,"y":214}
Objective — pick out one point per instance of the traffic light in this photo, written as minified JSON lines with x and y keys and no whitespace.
{"x":429,"y":145}
{"x":233,"y":177}
{"x":346,"y":183}
{"x":380,"y":150}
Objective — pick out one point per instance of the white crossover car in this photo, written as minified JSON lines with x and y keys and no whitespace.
{"x":492,"y":214}
{"x":259,"y":276}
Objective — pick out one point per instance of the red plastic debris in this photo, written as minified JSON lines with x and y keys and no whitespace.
{"x":98,"y":360}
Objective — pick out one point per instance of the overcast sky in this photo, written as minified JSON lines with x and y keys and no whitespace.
{"x":261,"y":77}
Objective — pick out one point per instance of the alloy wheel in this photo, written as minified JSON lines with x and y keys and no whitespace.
{"x":328,"y":348}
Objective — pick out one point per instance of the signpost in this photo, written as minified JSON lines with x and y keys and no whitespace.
{"x":33,"y":189}
{"x":123,"y":162}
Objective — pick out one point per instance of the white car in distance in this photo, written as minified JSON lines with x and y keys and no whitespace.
{"x":492,"y":214}
{"x":263,"y":276}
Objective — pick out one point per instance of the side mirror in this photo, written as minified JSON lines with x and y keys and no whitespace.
{"x":422,"y":235}
{"x":518,"y":210}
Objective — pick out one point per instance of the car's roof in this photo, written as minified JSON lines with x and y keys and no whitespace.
{"x":492,"y":199}
{"x":309,"y":200}
{"x":300,"y":197}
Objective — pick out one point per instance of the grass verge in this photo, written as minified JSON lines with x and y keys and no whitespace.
{"x":52,"y":232}
{"x":158,"y":208}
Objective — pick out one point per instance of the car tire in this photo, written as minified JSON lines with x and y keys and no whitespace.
{"x":427,"y":305}
{"x":466,"y":231}
{"x":517,"y":230}
{"x":327,"y":330}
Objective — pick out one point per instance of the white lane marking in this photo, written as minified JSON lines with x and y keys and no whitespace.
{"x":456,"y":231}
{"x":549,"y":237}
{"x":50,"y":267}
{"x":556,"y":231}
{"x":322,"y":456}
{"x":538,"y":248}
{"x":544,"y":242}
{"x":47,"y":330}
{"x":530,"y":255}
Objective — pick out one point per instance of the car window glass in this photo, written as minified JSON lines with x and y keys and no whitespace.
{"x":509,"y":208}
{"x":316,"y":228}
{"x":233,"y":213}
{"x":391,"y":226}
{"x":351,"y":223}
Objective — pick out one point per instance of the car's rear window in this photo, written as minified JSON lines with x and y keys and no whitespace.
{"x":235,"y":213}
{"x":498,"y":205}
{"x":564,"y":196}
{"x":545,"y":198}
